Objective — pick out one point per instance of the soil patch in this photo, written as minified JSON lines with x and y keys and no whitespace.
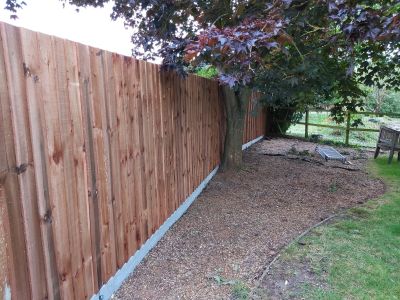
{"x":242,"y":220}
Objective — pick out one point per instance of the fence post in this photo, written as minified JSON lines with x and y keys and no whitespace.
{"x":348,"y":116}
{"x":306,"y":126}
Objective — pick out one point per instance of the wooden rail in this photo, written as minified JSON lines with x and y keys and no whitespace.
{"x":348,"y":128}
{"x":99,"y":150}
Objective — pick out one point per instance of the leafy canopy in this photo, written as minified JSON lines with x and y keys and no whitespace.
{"x":297,"y":52}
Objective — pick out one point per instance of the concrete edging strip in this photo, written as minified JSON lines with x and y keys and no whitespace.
{"x":247,"y":145}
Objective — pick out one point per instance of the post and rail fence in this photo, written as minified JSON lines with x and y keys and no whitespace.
{"x":348,"y":128}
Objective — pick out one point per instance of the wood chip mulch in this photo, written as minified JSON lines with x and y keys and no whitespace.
{"x":242,"y":220}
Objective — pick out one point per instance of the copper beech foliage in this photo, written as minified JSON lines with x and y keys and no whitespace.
{"x":238,"y":51}
{"x":361,"y":29}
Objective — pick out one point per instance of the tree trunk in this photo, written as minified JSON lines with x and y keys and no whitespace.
{"x":278,"y":120}
{"x":236,"y":109}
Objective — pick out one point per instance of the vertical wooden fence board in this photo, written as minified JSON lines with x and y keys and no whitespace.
{"x":216,"y":129}
{"x":182,"y":99}
{"x":79,"y":172}
{"x":189,"y":107}
{"x":213,"y":131}
{"x":20,"y":283}
{"x":123,"y":145}
{"x":166,"y":107}
{"x":151,"y":103}
{"x":179,"y":143}
{"x":204,"y":115}
{"x":162,"y":78}
{"x":176,"y":95}
{"x":24,"y":158}
{"x":150,"y":151}
{"x":173,"y":142}
{"x":5,"y":253}
{"x":206,"y":155}
{"x":55,"y":164}
{"x":3,"y":150}
{"x":159,"y":140}
{"x":170,"y":141}
{"x":68,"y":161}
{"x":207,"y":135}
{"x":34,"y":98}
{"x":129,"y":204}
{"x":102,"y":159}
{"x":147,"y":214}
{"x":194,"y":135}
{"x":186,"y":132}
{"x":199,"y":132}
{"x":84,"y":74}
{"x":157,"y":121}
{"x":203,"y":122}
{"x":132,"y":190}
{"x":198,"y":147}
{"x":198,"y":129}
{"x":122,"y":120}
{"x":109,"y":221}
{"x":139,"y":165}
{"x":129,"y":208}
{"x":210,"y":127}
{"x":116,"y":120}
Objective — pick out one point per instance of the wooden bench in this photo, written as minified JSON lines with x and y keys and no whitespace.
{"x":389,"y":139}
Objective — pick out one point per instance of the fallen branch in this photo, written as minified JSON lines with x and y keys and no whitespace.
{"x":344,"y":168}
{"x":274,"y":154}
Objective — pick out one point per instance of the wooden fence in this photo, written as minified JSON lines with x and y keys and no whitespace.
{"x":255,"y":121}
{"x":97,"y":150}
{"x":348,"y":128}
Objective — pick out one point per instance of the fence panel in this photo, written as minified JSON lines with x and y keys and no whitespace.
{"x":97,"y":151}
{"x":255,"y":121}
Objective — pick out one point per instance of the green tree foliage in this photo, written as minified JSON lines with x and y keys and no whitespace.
{"x":209,"y":72}
{"x":381,"y":100}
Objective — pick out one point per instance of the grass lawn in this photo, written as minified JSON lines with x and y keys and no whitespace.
{"x":357,"y":257}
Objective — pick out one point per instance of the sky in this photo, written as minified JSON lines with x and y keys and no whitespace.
{"x":90,"y":26}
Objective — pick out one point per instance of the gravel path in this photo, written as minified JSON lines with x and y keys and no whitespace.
{"x":242,"y":220}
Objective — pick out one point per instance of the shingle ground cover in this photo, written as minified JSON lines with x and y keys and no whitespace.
{"x":220,"y":247}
